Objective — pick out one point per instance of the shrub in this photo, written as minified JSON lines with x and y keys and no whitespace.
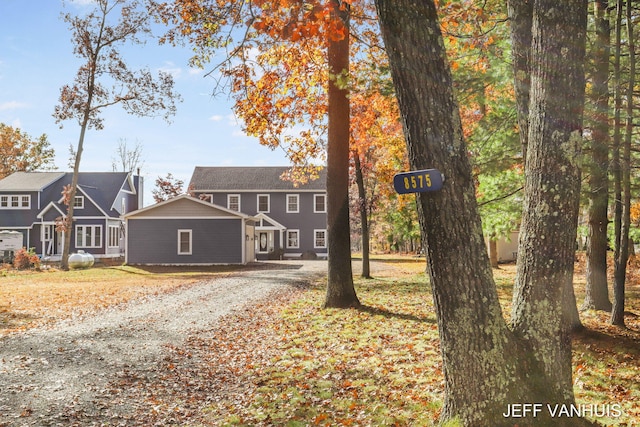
{"x":24,"y":259}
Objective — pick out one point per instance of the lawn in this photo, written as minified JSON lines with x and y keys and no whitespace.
{"x":380,"y":365}
{"x":31,"y":298}
{"x":286,"y":361}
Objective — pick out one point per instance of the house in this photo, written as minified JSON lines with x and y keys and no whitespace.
{"x":185,"y":230}
{"x":31,"y":203}
{"x":290,"y":220}
{"x":504,"y":249}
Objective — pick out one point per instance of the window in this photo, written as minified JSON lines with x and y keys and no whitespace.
{"x":293,"y":202}
{"x":319,"y":238}
{"x":114,"y":236}
{"x":47,"y":233}
{"x":88,"y":236}
{"x":293,"y":239}
{"x":319,"y":203}
{"x":15,"y":201}
{"x":184,"y":242}
{"x":78,"y":202}
{"x":233,"y":202}
{"x":264,"y":203}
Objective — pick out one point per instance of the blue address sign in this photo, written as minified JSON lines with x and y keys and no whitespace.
{"x":418,"y":181}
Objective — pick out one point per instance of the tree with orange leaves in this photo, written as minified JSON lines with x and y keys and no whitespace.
{"x":377,"y":142}
{"x":289,"y":74}
{"x":20,"y":152}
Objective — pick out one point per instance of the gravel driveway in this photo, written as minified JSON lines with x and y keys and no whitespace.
{"x":48,"y":373}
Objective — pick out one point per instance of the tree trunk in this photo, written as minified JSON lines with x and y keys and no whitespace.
{"x":66,"y":246}
{"x":340,"y":290}
{"x":617,"y":311}
{"x":493,"y":252}
{"x":520,"y":17}
{"x":617,"y":133}
{"x":486,"y":366}
{"x":546,"y":250}
{"x":596,"y":291}
{"x":364,"y":217}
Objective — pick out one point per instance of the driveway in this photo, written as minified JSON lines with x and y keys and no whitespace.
{"x":50,"y":375}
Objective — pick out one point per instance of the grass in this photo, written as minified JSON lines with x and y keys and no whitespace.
{"x":380,"y":365}
{"x":288,"y":362}
{"x":31,"y":298}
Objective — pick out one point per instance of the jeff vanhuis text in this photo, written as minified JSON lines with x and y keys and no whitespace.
{"x":524,"y":410}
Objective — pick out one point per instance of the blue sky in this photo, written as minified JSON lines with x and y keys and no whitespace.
{"x":36,"y":60}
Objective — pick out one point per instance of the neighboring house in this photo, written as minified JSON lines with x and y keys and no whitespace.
{"x":185,"y":230}
{"x":506,"y":248}
{"x":291,"y":221}
{"x":31,"y":202}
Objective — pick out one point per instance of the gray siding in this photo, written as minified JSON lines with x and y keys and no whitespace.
{"x":155,"y":241}
{"x":306,"y":220}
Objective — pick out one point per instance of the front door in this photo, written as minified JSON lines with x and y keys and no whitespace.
{"x":265,"y":242}
{"x":59,"y":242}
{"x":51,"y":240}
{"x":47,"y":239}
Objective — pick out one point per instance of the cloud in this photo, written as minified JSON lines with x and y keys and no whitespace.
{"x":171,"y":68}
{"x":81,"y":3}
{"x":12,"y":105}
{"x":239,"y":134}
{"x":216,"y":118}
{"x":233,"y":120}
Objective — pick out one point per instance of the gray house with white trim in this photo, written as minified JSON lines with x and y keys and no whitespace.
{"x":31,"y":203}
{"x":290,"y":220}
{"x":185,"y":230}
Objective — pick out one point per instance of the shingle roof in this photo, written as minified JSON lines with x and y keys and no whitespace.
{"x":102,"y":187}
{"x":29,"y":181}
{"x":260,"y":178}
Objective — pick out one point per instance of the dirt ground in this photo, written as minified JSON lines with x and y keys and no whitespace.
{"x":62,"y":373}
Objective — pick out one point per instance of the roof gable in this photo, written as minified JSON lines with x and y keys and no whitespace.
{"x":56,"y":211}
{"x":212,"y":178}
{"x":184,"y":206}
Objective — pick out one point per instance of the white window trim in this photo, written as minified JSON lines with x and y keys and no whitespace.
{"x":315,"y":246}
{"x":297,"y":245}
{"x":268,"y":196}
{"x":93,"y":242}
{"x":20,"y":198}
{"x":315,"y":197}
{"x":297,"y":196}
{"x":229,"y":196}
{"x":190,"y":233}
{"x":79,"y":205}
{"x":113,"y":229}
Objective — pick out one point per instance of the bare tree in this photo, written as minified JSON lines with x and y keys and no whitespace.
{"x":104,"y":79}
{"x":127,"y":160}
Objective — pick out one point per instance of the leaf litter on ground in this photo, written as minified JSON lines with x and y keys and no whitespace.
{"x":289,"y":362}
{"x":286,"y":361}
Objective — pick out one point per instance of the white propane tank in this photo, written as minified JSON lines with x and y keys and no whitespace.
{"x":81,"y":259}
